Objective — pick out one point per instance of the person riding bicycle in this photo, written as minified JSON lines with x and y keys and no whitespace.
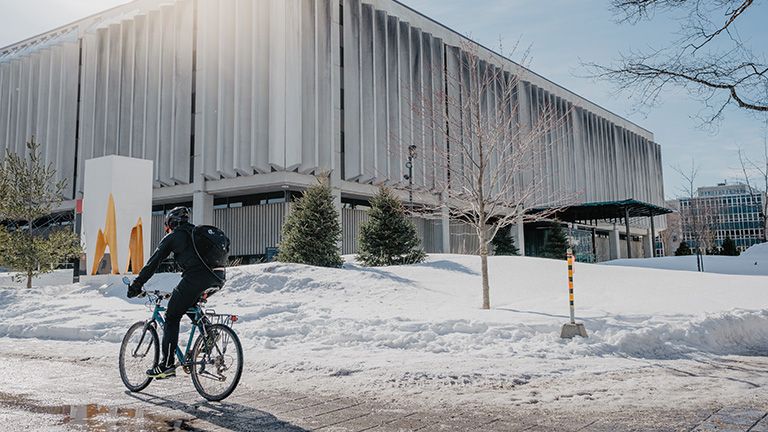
{"x":196,"y":277}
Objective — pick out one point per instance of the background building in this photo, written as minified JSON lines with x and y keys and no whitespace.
{"x":241,"y":103}
{"x":725,"y":210}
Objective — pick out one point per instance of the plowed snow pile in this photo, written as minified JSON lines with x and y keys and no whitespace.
{"x":408,"y":322}
{"x":753,"y":261}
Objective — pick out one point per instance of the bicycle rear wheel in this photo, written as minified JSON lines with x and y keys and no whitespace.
{"x":139,"y":351}
{"x":216,"y":370}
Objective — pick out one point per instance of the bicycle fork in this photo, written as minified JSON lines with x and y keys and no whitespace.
{"x":135,"y":352}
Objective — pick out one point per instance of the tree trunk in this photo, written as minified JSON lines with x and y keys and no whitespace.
{"x":484,"y":272}
{"x":29,"y":280}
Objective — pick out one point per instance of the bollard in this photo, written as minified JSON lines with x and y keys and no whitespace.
{"x":570,"y":284}
{"x":572,"y":328}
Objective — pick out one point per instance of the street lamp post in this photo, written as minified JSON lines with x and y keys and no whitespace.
{"x":409,"y":176}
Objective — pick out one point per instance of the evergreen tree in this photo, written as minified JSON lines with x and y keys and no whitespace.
{"x":556,"y":246}
{"x":29,"y":192}
{"x":503,"y":243}
{"x":683,"y":250}
{"x":729,"y":247}
{"x":388,"y":237}
{"x":311,"y":231}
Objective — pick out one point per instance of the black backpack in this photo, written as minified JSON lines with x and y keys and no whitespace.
{"x":211,"y":246}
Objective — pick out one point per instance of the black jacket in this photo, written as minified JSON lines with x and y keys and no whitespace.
{"x":178,"y":242}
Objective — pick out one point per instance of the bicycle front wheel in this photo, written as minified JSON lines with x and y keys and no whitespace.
{"x":217,"y":365}
{"x":139,"y":351}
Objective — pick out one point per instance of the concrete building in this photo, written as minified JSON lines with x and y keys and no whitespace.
{"x":725,"y":210}
{"x":240,"y":103}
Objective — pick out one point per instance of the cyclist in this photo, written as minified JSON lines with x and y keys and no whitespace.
{"x":196,"y":277}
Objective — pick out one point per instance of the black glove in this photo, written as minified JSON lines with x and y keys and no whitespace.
{"x":134,"y":289}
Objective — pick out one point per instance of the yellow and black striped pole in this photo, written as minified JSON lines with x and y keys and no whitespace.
{"x":572,"y":328}
{"x":570,"y":284}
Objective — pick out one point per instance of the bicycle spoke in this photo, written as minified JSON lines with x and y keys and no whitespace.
{"x":220,"y":369}
{"x":138,"y":352}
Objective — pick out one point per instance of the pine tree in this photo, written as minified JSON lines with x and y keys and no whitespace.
{"x":503,"y":243}
{"x":311,"y":231}
{"x":729,"y":247}
{"x":556,"y":246}
{"x":388,"y":237}
{"x":683,"y":250}
{"x":28,"y":193}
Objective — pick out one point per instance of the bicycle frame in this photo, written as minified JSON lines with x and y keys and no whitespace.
{"x":158,"y":318}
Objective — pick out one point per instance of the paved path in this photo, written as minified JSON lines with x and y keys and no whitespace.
{"x":282,"y":412}
{"x":52,"y":393}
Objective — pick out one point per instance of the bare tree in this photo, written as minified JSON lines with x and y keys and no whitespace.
{"x":710,"y":59}
{"x":699,"y":217}
{"x":489,"y":165}
{"x":760,"y":167}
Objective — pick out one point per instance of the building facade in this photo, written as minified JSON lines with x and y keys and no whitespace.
{"x":241,"y":103}
{"x":725,"y":210}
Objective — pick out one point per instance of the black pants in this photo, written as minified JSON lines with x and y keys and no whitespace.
{"x":184,"y":296}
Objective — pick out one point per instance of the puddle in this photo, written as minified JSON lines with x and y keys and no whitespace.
{"x":95,"y":417}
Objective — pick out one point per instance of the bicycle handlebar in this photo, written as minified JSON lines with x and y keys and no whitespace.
{"x":144,"y":293}
{"x":157,"y":293}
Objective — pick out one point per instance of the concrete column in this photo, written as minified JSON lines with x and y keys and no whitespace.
{"x":629,"y":235}
{"x":445,"y":225}
{"x":202,"y":208}
{"x":653,"y":237}
{"x":615,"y":242}
{"x":520,"y":235}
{"x":202,"y":201}
{"x":648,"y":245}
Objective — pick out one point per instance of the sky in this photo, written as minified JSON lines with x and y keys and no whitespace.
{"x":562,"y":35}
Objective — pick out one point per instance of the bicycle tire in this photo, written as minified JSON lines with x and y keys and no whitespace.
{"x":154,"y":342}
{"x":198,"y":350}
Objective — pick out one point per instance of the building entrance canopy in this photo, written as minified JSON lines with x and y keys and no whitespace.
{"x":608,"y":210}
{"x":611,"y":210}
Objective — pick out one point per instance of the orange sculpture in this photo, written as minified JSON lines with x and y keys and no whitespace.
{"x":105,"y":238}
{"x":136,"y":248}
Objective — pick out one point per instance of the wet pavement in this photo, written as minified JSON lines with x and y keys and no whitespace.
{"x":50,"y":393}
{"x":92,"y":417}
{"x":282,"y":412}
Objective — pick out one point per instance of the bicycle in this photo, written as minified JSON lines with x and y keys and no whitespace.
{"x":215,"y":354}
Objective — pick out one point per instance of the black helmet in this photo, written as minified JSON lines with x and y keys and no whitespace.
{"x":175,"y":217}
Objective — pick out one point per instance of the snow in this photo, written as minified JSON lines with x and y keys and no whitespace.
{"x":753,"y":261}
{"x":420,"y":326}
{"x":58,"y":277}
{"x":758,"y":251}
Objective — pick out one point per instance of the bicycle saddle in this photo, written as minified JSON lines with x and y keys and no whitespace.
{"x":207,"y":293}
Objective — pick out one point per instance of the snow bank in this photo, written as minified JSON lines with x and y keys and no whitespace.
{"x":753,"y":261}
{"x":756,"y":252}
{"x":426,"y":318}
{"x":739,"y":332}
{"x":58,"y":277}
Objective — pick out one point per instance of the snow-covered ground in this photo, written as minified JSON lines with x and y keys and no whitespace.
{"x":754,"y":261}
{"x":419,"y":329}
